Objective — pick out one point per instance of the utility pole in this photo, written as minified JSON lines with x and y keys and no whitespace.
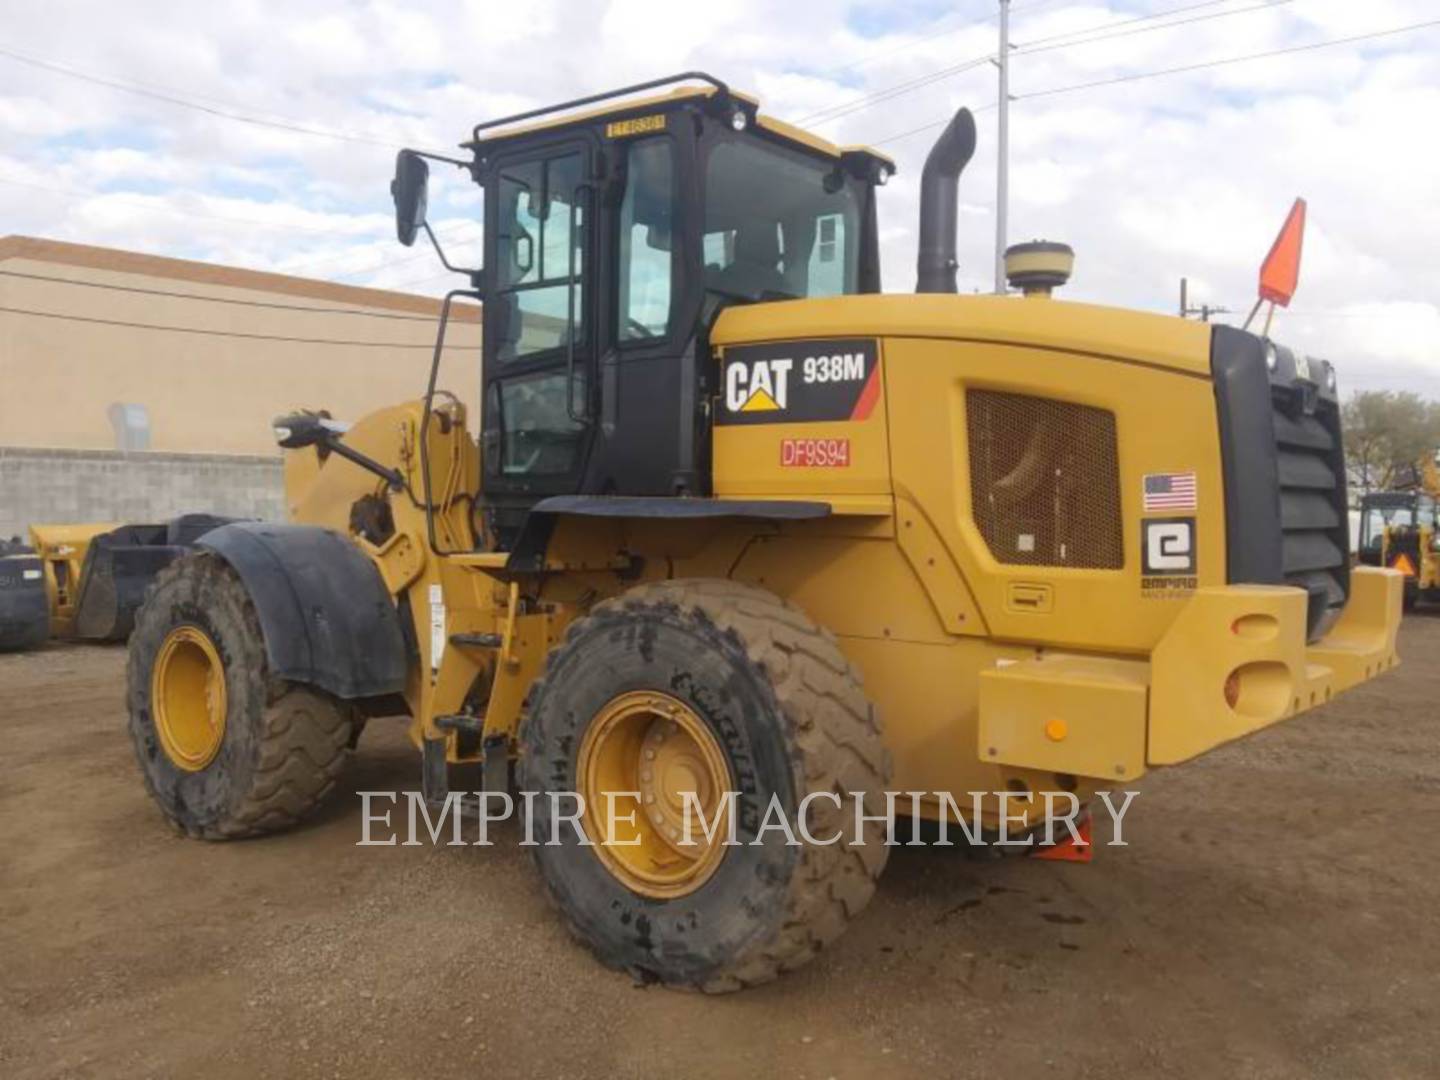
{"x":1204,"y":310}
{"x":1002,"y":174}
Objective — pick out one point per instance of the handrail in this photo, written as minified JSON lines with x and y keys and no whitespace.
{"x":684,"y":76}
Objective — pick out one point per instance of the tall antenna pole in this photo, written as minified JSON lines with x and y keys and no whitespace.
{"x":1002,"y":176}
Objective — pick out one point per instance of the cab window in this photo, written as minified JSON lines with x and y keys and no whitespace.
{"x":647,"y":241}
{"x":540,"y":438}
{"x":779,"y":225}
{"x":1425,"y":512}
{"x":541,"y":252}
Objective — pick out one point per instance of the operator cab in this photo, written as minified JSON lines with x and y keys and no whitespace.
{"x":613,"y":237}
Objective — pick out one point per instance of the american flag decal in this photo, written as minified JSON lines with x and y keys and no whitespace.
{"x":1169,"y":491}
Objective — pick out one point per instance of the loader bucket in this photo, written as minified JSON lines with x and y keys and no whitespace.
{"x":24,"y":608}
{"x":120,"y":566}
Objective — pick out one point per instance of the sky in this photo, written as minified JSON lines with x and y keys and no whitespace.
{"x":263,"y":134}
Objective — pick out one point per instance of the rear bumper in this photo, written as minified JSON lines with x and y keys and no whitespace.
{"x":1234,"y":661}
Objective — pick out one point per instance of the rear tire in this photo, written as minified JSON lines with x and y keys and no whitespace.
{"x":785,"y":711}
{"x":267,"y":754}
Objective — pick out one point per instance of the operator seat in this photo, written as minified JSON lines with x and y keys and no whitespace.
{"x":756,"y":269}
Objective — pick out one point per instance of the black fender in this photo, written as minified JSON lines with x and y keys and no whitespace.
{"x":327,"y":618}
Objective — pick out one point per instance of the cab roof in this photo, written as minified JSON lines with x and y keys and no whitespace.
{"x":622,"y":103}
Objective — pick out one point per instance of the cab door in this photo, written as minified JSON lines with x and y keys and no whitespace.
{"x":539,"y":320}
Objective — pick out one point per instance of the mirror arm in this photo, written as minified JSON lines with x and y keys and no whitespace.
{"x":473,"y":275}
{"x":332,"y":442}
{"x":432,"y":156}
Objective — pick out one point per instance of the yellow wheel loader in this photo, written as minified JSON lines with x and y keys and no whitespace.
{"x":86,"y":582}
{"x":741,"y":531}
{"x":1397,"y":529}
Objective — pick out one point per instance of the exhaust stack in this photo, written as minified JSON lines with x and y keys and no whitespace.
{"x":940,"y":204}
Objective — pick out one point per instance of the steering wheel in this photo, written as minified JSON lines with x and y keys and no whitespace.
{"x":640,"y":329}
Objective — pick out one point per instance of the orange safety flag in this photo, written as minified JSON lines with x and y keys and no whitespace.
{"x":1280,"y":272}
{"x":1404,"y":565}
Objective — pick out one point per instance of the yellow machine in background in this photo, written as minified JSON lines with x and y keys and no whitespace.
{"x":62,"y":550}
{"x":1398,"y":531}
{"x":96,"y":575}
{"x":740,"y":526}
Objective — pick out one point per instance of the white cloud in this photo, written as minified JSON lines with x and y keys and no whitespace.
{"x":1187,"y":174}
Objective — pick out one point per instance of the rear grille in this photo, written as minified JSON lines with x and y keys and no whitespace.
{"x":1285,"y":497}
{"x":1044,"y":480}
{"x":1310,"y":469}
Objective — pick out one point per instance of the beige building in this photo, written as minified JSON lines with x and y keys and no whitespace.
{"x":111,"y":350}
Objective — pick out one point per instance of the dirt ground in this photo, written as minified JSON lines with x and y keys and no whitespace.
{"x":1273,"y":916}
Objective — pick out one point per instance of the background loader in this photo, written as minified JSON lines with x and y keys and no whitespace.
{"x":1398,"y":530}
{"x":85,"y":582}
{"x":738,"y":522}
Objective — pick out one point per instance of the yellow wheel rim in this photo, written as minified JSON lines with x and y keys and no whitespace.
{"x":187,"y":698}
{"x":653,"y":744}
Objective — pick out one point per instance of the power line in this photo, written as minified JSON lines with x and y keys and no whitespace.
{"x":134,"y":196}
{"x":191,"y":101}
{"x":928,"y":126}
{"x":928,"y":30}
{"x":1138,"y":76}
{"x":835,"y":112}
{"x":1303,"y":314}
{"x":390,"y":263}
{"x":1230,"y":60}
{"x":216,"y":299}
{"x":443,"y":274}
{"x":215,"y":333}
{"x":1032,"y":49}
{"x":138,"y":199}
{"x":1125,"y":22}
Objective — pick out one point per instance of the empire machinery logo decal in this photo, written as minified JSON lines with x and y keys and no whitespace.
{"x":1168,"y":562}
{"x":799,"y":382}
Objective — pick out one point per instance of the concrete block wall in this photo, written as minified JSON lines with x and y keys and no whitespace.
{"x":42,"y":486}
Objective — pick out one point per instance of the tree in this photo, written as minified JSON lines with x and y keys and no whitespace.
{"x":1387,"y":433}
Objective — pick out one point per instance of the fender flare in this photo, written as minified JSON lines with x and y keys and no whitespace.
{"x":326,"y":616}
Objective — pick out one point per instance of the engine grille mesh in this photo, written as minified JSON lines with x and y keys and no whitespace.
{"x":1045,"y":481}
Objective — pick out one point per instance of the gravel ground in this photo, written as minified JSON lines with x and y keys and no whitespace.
{"x":1272,"y":917}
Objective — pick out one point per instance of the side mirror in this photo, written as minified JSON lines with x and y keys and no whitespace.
{"x":299,"y":430}
{"x":409,"y":189}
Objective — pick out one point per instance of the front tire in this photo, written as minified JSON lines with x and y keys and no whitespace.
{"x":226,"y":750}
{"x":717,"y":684}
